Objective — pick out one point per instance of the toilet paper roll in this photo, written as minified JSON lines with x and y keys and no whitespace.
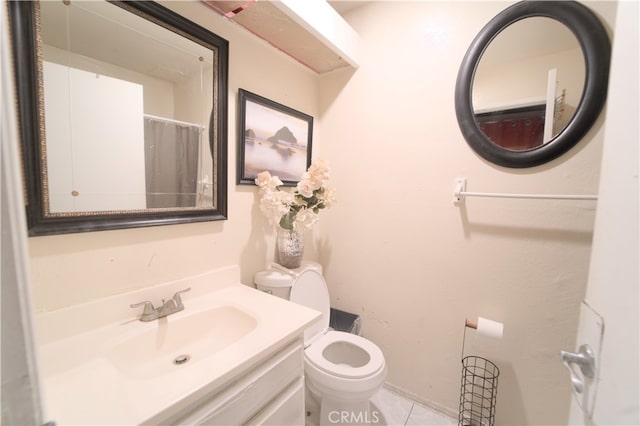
{"x":489,"y":328}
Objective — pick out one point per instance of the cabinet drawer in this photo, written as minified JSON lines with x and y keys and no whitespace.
{"x":286,"y":409}
{"x":245,"y":397}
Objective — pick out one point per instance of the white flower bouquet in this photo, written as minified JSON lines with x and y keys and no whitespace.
{"x":297,"y":210}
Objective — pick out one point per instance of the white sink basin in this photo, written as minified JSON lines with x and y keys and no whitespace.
{"x":173,"y":342}
{"x":101,"y":365}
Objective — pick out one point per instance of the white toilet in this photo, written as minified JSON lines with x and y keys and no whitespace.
{"x":342,"y":370}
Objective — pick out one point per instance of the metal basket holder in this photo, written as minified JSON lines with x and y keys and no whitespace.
{"x":478,"y":389}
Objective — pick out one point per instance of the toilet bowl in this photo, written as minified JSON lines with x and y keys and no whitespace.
{"x":342,"y":370}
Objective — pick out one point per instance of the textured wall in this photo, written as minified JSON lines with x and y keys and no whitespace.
{"x":398,"y":253}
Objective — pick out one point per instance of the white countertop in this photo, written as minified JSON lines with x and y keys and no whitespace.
{"x":82,"y":384}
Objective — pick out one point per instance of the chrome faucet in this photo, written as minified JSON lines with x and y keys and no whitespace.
{"x":168,"y":307}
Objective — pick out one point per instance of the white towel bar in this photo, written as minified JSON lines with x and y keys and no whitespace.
{"x":460,"y":192}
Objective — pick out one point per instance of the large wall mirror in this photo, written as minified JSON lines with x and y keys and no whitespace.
{"x":533,"y":82}
{"x":123,"y":113}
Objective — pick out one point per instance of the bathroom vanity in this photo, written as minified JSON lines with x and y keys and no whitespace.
{"x":234,"y":355}
{"x":271,"y":393}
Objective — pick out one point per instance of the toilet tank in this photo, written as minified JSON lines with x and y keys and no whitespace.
{"x":274,"y":282}
{"x":278,"y":280}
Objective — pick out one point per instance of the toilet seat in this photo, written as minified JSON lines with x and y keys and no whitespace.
{"x":309,"y":289}
{"x":315,"y":355}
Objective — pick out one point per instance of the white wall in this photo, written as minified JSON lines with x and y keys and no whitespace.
{"x":397,"y":252}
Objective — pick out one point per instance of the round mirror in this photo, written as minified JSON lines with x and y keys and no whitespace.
{"x":533,"y":64}
{"x":533,"y":82}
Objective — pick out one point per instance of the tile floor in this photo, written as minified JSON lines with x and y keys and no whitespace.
{"x":400,"y":411}
{"x":392,"y":409}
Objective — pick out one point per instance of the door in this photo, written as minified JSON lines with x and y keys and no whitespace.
{"x":102,"y":137}
{"x":20,"y":397}
{"x":609,"y":318}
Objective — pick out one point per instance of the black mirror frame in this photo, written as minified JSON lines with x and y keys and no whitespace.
{"x":596,"y":47}
{"x":24,"y":41}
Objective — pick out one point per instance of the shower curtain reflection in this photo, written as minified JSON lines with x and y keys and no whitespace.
{"x":171,"y":162}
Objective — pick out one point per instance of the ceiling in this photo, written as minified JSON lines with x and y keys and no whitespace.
{"x":345,"y":6}
{"x":134,"y":43}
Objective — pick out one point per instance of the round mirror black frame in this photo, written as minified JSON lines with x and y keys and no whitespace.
{"x":596,"y":49}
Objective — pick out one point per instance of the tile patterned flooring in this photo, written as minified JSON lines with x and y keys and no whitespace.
{"x":393,"y":409}
{"x":400,"y":411}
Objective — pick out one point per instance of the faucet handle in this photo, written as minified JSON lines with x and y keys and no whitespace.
{"x":177,"y":299}
{"x":148,"y":307}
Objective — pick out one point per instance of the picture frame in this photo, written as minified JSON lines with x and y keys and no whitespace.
{"x":272,"y":137}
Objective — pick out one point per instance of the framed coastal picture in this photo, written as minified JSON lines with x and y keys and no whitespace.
{"x":272,"y":137}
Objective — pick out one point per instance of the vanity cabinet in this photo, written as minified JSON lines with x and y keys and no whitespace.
{"x":270,"y":392}
{"x":233,"y":356}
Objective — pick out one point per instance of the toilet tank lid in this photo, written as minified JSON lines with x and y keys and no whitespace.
{"x":308,"y":264}
{"x":283,"y":277}
{"x":273,"y":278}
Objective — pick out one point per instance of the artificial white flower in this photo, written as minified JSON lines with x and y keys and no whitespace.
{"x":318,"y":173}
{"x":275,"y":204}
{"x":297,"y":209}
{"x":267,"y":182}
{"x":305,"y":218}
{"x":329,"y":196}
{"x":305,"y":187}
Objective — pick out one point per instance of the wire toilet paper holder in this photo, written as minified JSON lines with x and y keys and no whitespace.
{"x":478,"y":388}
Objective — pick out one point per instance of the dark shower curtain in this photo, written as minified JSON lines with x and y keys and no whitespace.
{"x":171,"y":161}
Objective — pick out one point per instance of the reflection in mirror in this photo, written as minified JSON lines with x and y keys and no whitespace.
{"x":572,"y":101}
{"x":528,"y":83}
{"x":144,"y":144}
{"x":123,"y":115}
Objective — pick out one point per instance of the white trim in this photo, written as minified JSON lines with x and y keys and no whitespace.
{"x":21,"y":397}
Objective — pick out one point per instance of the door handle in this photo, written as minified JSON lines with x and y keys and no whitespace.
{"x":585,"y":359}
